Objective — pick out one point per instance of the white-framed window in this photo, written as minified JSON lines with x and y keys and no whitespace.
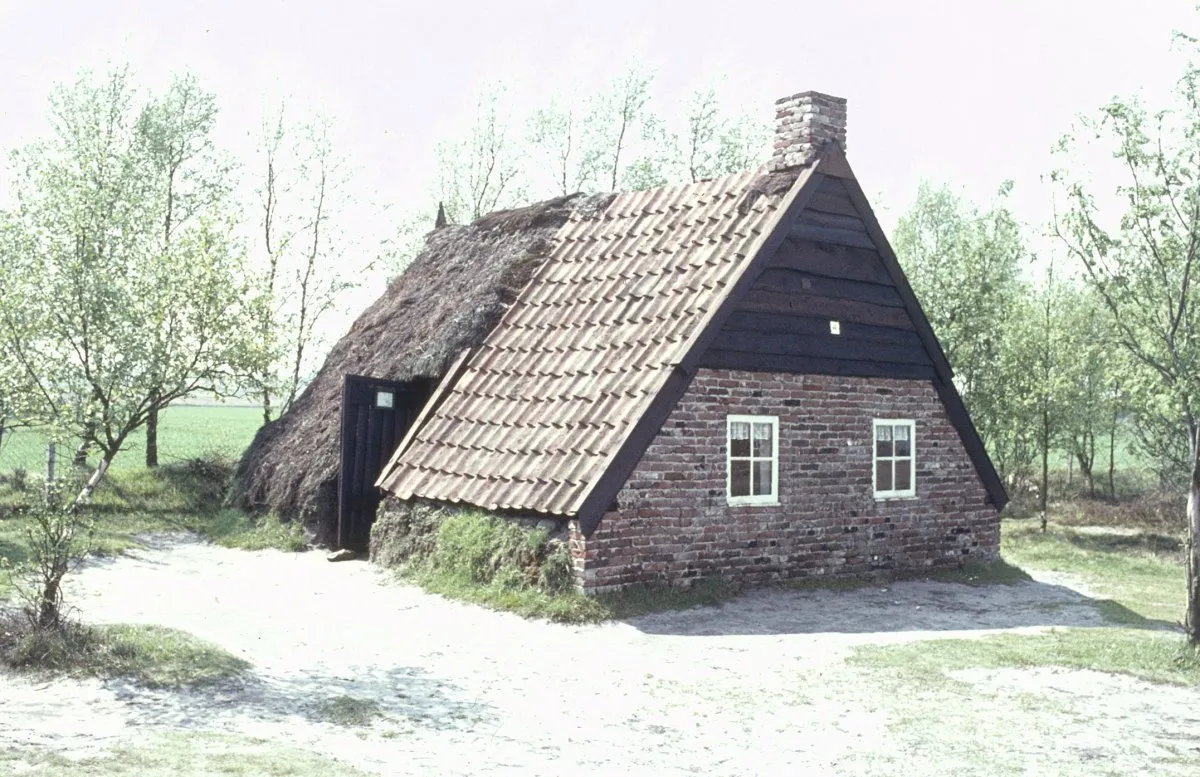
{"x":752,"y":460}
{"x":895,"y":458}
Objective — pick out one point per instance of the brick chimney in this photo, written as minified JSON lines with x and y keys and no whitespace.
{"x":804,"y":123}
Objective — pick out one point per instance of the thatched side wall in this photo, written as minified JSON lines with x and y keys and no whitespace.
{"x":448,"y":299}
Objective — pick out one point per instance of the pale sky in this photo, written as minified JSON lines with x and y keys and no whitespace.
{"x":968,"y":93}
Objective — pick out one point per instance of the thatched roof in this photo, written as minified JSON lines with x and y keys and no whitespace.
{"x":448,"y":299}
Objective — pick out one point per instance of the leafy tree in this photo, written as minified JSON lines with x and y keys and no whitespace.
{"x":1037,"y":343}
{"x":1143,"y":267}
{"x":14,"y":388}
{"x":1093,"y":370}
{"x":187,"y":181}
{"x":114,"y":327}
{"x":964,"y":266}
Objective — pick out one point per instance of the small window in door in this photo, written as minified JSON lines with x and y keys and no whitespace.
{"x":385,"y":399}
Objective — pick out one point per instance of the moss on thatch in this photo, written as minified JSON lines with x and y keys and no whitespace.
{"x":449,"y":298}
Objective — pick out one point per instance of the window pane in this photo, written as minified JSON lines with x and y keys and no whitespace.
{"x":762,"y":440}
{"x":739,"y":439}
{"x":883,"y":476}
{"x":903,"y":474}
{"x":883,"y":441}
{"x":739,"y":477}
{"x":903,"y":439}
{"x":883,"y":433}
{"x":762,"y":478}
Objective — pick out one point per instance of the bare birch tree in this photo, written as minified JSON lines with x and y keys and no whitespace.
{"x":302,"y":193}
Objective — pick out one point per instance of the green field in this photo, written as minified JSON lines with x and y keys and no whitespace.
{"x":184,"y":432}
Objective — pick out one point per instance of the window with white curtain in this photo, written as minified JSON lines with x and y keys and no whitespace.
{"x":752,"y":459}
{"x":895,"y":458}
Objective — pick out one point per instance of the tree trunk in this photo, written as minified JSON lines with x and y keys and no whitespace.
{"x":1070,"y":472}
{"x":86,"y":492}
{"x":1191,"y":623}
{"x":152,"y":438}
{"x":1112,"y":459}
{"x":81,"y":454}
{"x":266,"y":407}
{"x":48,"y":614}
{"x":1045,"y":496}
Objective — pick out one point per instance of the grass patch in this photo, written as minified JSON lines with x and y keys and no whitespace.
{"x":1138,"y":573}
{"x":636,"y":600}
{"x":1149,"y":655}
{"x":235,"y":529}
{"x":998,"y":572}
{"x":153,"y":656}
{"x":184,"y":432}
{"x":348,"y":711}
{"x":178,"y":754}
{"x":834,"y":584}
{"x":505,"y":594}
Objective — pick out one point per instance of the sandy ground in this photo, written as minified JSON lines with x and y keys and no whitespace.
{"x":757,"y":687}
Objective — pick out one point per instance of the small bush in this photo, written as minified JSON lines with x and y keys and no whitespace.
{"x":19,"y":480}
{"x":57,"y":537}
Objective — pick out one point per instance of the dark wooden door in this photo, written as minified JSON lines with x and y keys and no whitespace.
{"x":375,"y":416}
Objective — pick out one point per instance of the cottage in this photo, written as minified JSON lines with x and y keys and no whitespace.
{"x":729,"y":377}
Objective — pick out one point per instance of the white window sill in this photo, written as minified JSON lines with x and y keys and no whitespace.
{"x":894,"y":497}
{"x":747,"y":502}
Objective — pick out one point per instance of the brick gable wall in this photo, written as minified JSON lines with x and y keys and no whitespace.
{"x":672,"y":521}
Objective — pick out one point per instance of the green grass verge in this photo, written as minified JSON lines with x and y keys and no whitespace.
{"x":998,"y":572}
{"x":185,"y":432}
{"x":235,"y":529}
{"x":153,"y":656}
{"x":1140,"y":571}
{"x":1156,"y":656}
{"x":178,"y":754}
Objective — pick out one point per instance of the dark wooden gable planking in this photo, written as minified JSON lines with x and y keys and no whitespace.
{"x":836,"y":265}
{"x":826,"y":270}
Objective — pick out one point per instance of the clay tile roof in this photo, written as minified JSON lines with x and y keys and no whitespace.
{"x":536,"y":414}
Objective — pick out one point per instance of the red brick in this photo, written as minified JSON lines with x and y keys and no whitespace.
{"x":674,"y":523}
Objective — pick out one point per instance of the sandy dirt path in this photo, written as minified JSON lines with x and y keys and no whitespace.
{"x":756,"y":687}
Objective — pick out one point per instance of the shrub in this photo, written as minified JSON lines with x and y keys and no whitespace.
{"x":58,"y":536}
